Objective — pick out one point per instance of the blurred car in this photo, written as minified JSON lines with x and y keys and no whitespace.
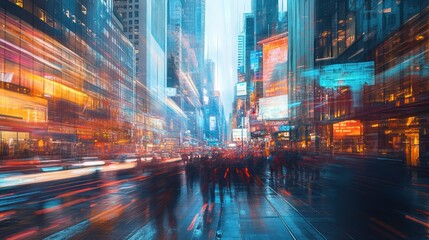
{"x":165,"y":156}
{"x":82,"y":162}
{"x":127,"y":158}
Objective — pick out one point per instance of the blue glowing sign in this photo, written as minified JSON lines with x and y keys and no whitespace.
{"x":254,"y":60}
{"x":284,"y":128}
{"x":353,"y":75}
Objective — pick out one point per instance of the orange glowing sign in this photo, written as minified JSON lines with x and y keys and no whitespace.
{"x":275,"y":53}
{"x":348,"y":128}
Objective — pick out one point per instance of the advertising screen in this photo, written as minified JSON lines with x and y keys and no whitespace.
{"x":275,"y":55}
{"x":241,"y":89}
{"x":348,"y":128}
{"x":212,"y":123}
{"x":273,"y":108}
{"x":354,"y":75}
{"x":239,"y":134}
{"x":254,"y":60}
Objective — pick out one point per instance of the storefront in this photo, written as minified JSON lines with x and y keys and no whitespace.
{"x":347,"y":137}
{"x":394,"y":138}
{"x":15,"y":144}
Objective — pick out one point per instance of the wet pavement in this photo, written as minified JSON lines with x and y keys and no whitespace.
{"x":338,"y":198}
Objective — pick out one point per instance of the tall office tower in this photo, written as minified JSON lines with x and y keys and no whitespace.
{"x":209,"y":80}
{"x":67,"y":82}
{"x":241,"y":53}
{"x":266,"y":14}
{"x":250,"y":46}
{"x":301,"y":15}
{"x":193,"y":34}
{"x":174,"y":42}
{"x":145,"y":24}
{"x":193,"y":29}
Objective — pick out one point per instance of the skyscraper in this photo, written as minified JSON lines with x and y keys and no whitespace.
{"x":145,"y":24}
{"x":266,"y":18}
{"x":67,"y":85}
{"x":193,"y":34}
{"x":241,"y":53}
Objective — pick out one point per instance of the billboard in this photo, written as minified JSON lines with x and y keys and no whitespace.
{"x":254,"y":60}
{"x":354,"y":75}
{"x":348,"y":128}
{"x":275,"y":54}
{"x":212,"y":123}
{"x":241,"y":89}
{"x":274,"y":108}
{"x":239,"y":134}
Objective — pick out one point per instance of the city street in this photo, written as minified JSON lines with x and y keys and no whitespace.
{"x":323,"y":198}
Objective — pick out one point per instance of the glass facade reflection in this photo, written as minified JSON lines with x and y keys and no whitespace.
{"x":67,"y":79}
{"x":386,"y":44}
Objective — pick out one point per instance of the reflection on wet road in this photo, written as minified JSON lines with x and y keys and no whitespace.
{"x":340,"y":198}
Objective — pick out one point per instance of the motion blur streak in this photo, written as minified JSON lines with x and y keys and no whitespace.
{"x":22,"y":235}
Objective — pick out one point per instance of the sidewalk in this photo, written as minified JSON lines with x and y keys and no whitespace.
{"x":263,"y":214}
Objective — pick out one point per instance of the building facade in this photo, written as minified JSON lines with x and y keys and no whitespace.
{"x":145,"y":25}
{"x":378,"y":111}
{"x":67,"y":85}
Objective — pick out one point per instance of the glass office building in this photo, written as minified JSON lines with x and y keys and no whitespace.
{"x":66,"y":79}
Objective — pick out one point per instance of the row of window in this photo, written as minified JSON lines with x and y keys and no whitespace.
{"x":130,"y":29}
{"x":130,"y":14}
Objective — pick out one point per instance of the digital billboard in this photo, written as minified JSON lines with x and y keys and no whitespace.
{"x":348,"y":128}
{"x":254,"y":60}
{"x":274,"y":108}
{"x":239,"y":134}
{"x":275,"y":53}
{"x":353,"y":75}
{"x":212,"y":123}
{"x":241,"y":89}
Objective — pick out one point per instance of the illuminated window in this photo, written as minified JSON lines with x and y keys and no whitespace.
{"x":84,"y":11}
{"x":42,"y":15}
{"x":20,"y":3}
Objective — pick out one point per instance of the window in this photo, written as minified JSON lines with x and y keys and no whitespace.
{"x":136,"y":21}
{"x":130,"y":14}
{"x":136,"y":28}
{"x":20,"y":3}
{"x":130,"y":36}
{"x":130,"y":29}
{"x":136,"y":6}
{"x":130,"y":22}
{"x":84,"y":11}
{"x":136,"y":13}
{"x":125,"y":29}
